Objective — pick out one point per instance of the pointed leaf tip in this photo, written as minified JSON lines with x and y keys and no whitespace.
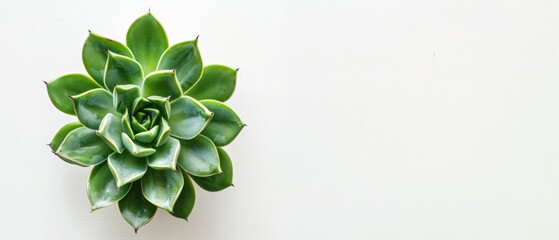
{"x":95,"y":52}
{"x":224,"y":126}
{"x":68,"y":85}
{"x":217,"y":82}
{"x":147,"y":40}
{"x":220,"y":181}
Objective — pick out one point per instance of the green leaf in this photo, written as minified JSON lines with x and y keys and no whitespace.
{"x":155,"y":114}
{"x":218,"y":182}
{"x":147,"y":40}
{"x":162,"y":104}
{"x":94,"y":54}
{"x":147,"y":136}
{"x":163,"y":134}
{"x":126,"y":127}
{"x":126,"y":168}
{"x":186,"y":60}
{"x":122,"y":70}
{"x":62,"y":133}
{"x":184,"y":205}
{"x":135,"y":209}
{"x":165,"y":157}
{"x":69,"y":85}
{"x":124,"y":96}
{"x":199,"y":157}
{"x":162,"y":83}
{"x":217,"y":82}
{"x":225,"y":124}
{"x":188,"y":117}
{"x":92,"y":106}
{"x":139,"y":103}
{"x":136,"y":149}
{"x":162,"y":187}
{"x":102,"y":189}
{"x":83,"y":147}
{"x":137,"y":126}
{"x":110,"y":130}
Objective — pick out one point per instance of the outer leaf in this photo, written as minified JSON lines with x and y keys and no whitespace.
{"x":165,"y":157}
{"x":102,"y":189}
{"x":162,"y":104}
{"x":126,"y":168}
{"x":92,"y":106}
{"x":162,"y":83}
{"x":162,"y":187}
{"x":147,"y":40}
{"x":188,"y":117}
{"x":110,"y":130}
{"x":199,"y":157}
{"x":217,"y":82}
{"x":163,"y":134}
{"x":83,"y":147}
{"x":218,"y":182}
{"x":124,"y":96}
{"x":121,"y":70}
{"x":136,"y":149}
{"x":225,"y":124}
{"x":184,"y":205}
{"x":185,"y":58}
{"x":94,"y":54}
{"x":135,"y":209}
{"x":62,"y":133}
{"x":69,"y":85}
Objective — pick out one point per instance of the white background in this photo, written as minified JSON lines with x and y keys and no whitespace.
{"x":366,"y":119}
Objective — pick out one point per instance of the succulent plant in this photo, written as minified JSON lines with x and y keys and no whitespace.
{"x":151,"y":121}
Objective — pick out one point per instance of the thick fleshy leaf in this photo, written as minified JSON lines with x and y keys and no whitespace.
{"x":135,"y":148}
{"x":124,"y":96}
{"x":122,"y":70}
{"x":217,"y":82}
{"x":137,"y":126}
{"x":225,"y":124}
{"x":184,"y":205}
{"x":95,"y":51}
{"x":162,"y":187}
{"x":186,"y":60}
{"x":62,"y":133}
{"x":135,"y":209}
{"x":110,"y":130}
{"x":126,"y":168}
{"x":92,"y":106}
{"x":126,"y":126}
{"x":147,"y":136}
{"x":140,"y":103}
{"x":69,"y":85}
{"x":218,"y":182}
{"x":83,"y":147}
{"x":188,"y":117}
{"x":163,"y":134}
{"x":162,"y":83}
{"x":147,"y":40}
{"x":165,"y":157}
{"x":102,"y":189}
{"x":155,"y":114}
{"x":199,"y":157}
{"x":163,"y":104}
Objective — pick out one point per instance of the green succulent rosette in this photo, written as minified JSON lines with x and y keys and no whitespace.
{"x":151,"y":120}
